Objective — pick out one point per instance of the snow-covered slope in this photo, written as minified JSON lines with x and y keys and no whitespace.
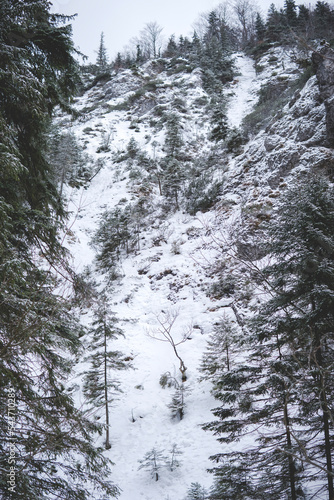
{"x":172,"y":270}
{"x":245,"y":91}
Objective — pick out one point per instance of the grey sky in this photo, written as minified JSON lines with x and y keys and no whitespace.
{"x":121,"y":20}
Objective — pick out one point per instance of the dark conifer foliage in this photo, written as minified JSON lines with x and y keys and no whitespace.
{"x":282,"y":393}
{"x":219,"y":123}
{"x":298,"y":22}
{"x":154,"y":461}
{"x":102,"y":57}
{"x":54,"y":451}
{"x":290,"y":10}
{"x":303,"y":309}
{"x":172,"y":48}
{"x":275,"y":24}
{"x":323,"y":20}
{"x":260,"y":28}
{"x":196,"y":492}
{"x":172,"y":172}
{"x":113,"y":237}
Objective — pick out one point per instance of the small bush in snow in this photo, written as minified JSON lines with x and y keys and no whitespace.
{"x":173,"y":462}
{"x":196,"y":492}
{"x":167,"y":380}
{"x":153,"y":461}
{"x":178,"y":404}
{"x":175,"y":248}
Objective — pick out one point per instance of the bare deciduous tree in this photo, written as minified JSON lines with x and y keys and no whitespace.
{"x":163,"y":332}
{"x":151,"y":38}
{"x":246,"y":13}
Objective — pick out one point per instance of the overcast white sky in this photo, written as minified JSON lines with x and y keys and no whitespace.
{"x":121,"y":20}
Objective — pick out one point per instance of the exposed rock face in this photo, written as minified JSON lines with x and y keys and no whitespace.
{"x":324,"y":65}
{"x":291,"y":146}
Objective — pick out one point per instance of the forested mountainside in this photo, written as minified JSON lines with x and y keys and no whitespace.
{"x":167,"y":270}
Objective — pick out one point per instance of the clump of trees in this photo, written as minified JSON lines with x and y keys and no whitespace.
{"x":295,"y":23}
{"x":281,"y":392}
{"x":155,"y":460}
{"x":55,"y":454}
{"x":225,"y":28}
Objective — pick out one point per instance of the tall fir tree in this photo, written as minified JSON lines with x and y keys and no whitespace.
{"x":154,"y":461}
{"x":102,"y":57}
{"x":53,"y":448}
{"x":323,"y":20}
{"x":112,"y":238}
{"x":99,"y":382}
{"x":196,"y":492}
{"x":290,"y":11}
{"x":275,"y":26}
{"x":172,"y":48}
{"x":219,"y":123}
{"x":221,"y":351}
{"x":303,"y":21}
{"x":260,"y":28}
{"x":171,"y":166}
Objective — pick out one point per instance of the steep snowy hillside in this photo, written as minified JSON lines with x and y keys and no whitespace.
{"x":170,"y":273}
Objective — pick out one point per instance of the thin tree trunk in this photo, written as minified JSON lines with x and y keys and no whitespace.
{"x":292,"y":475}
{"x":159,"y":184}
{"x":108,"y":445}
{"x":325,"y":412}
{"x":182,"y":368}
{"x":325,"y":420}
{"x":289,"y":443}
{"x":227,"y":358}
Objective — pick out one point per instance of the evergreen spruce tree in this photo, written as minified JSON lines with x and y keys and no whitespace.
{"x":102,"y":57}
{"x":139,"y":56}
{"x":172,"y":48}
{"x":99,"y":382}
{"x":221,"y":350}
{"x":275,"y":25}
{"x":303,"y":21}
{"x":70,"y":165}
{"x":171,"y":166}
{"x":153,"y":461}
{"x":181,"y":44}
{"x":132,"y":148}
{"x":172,"y":179}
{"x":258,"y":402}
{"x":323,"y":20}
{"x":215,"y":59}
{"x":178,"y":404}
{"x":173,"y":462}
{"x":118,"y":64}
{"x":196,"y":492}
{"x":260,"y":28}
{"x":51,"y":442}
{"x":213,"y":30}
{"x":173,"y":140}
{"x":196,"y":49}
{"x":112,"y":237}
{"x":220,"y":128}
{"x":290,"y":11}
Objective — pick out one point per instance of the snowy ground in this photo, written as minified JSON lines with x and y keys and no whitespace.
{"x":245,"y":90}
{"x":140,"y":418}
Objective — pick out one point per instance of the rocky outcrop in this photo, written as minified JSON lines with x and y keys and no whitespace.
{"x":324,"y":66}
